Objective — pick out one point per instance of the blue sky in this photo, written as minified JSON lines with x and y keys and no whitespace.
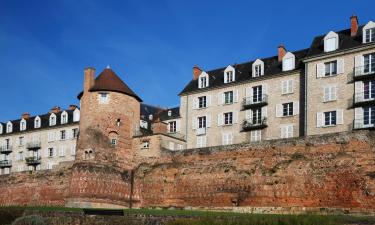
{"x":152,"y":45}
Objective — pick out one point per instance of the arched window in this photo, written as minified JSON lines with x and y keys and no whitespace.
{"x":52,"y":119}
{"x":37,"y":122}
{"x":289,"y":61}
{"x":331,"y":42}
{"x":229,"y":74}
{"x":64,"y":117}
{"x":23,"y":125}
{"x":9,"y":127}
{"x":258,"y":68}
{"x":113,"y":137}
{"x":76,"y":115}
{"x":203,"y":80}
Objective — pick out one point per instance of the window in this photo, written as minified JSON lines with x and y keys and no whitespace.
{"x":227,"y":139}
{"x":255,"y":135}
{"x":7,"y":143}
{"x":172,"y":127}
{"x":229,"y":74}
{"x":20,"y":156}
{"x":23,"y":125}
{"x":145,"y":144}
{"x":37,"y":122}
{"x":49,"y":166}
{"x":21,"y":141}
{"x":228,"y":118}
{"x":228,"y":97}
{"x":9,"y":127}
{"x":62,"y":151}
{"x":256,"y":116}
{"x":76,"y":115}
{"x":330,"y":93}
{"x":75,"y":132}
{"x":169,"y":113}
{"x":257,"y":94}
{"x":202,"y":122}
{"x":288,"y":62}
{"x":150,"y":117}
{"x":203,"y":80}
{"x":114,"y":142}
{"x":64,"y":117}
{"x":286,"y":131}
{"x":369,"y":63}
{"x":330,"y":44}
{"x":52,"y":120}
{"x":257,"y":70}
{"x":103,"y":98}
{"x":202,"y":102}
{"x":258,"y":66}
{"x":330,"y":68}
{"x":201,"y":141}
{"x":1,"y":128}
{"x":51,"y":136}
{"x":287,"y":87}
{"x":288,"y":109}
{"x":369,"y":115}
{"x":369,"y":35}
{"x":330,"y":118}
{"x":62,"y":135}
{"x":50,"y":152}
{"x":369,"y":90}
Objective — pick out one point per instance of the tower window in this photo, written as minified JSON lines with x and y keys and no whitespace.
{"x":103,"y":98}
{"x":113,"y":142}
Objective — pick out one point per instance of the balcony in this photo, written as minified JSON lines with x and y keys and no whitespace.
{"x":364,"y":72}
{"x":5,"y":163}
{"x":249,"y":125}
{"x":5,"y":149}
{"x":176,"y":135}
{"x":33,"y":160}
{"x":201,"y":131}
{"x":363,"y":99}
{"x":361,"y":125}
{"x":33,"y":145}
{"x":252,"y":102}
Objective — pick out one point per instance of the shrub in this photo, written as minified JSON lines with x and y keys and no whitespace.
{"x":30,"y":220}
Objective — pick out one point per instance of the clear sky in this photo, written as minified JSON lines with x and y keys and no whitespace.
{"x":152,"y":45}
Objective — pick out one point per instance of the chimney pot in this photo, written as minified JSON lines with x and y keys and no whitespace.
{"x":353,"y":25}
{"x":89,"y":78}
{"x":26,"y":115}
{"x":55,"y":109}
{"x":196,"y":72}
{"x":281,"y":52}
{"x":72,"y":107}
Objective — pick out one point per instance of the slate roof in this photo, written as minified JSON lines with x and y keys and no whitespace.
{"x":109,"y":81}
{"x":175,"y":113}
{"x":244,"y":72}
{"x":346,"y":41}
{"x":44,"y":123}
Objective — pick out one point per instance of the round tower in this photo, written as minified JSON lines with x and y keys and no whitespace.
{"x":110,"y":114}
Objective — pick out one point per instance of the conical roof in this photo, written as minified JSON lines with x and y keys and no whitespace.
{"x":109,"y":81}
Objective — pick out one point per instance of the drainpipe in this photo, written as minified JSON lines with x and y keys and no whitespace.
{"x":187,"y":119}
{"x":305,"y":107}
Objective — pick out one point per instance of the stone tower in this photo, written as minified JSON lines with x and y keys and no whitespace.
{"x":110,"y":114}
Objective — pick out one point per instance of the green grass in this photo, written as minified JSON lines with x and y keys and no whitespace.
{"x":196,"y":217}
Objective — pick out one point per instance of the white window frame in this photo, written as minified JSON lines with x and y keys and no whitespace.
{"x":287,"y":87}
{"x":172,"y":126}
{"x":76,"y":115}
{"x":23,"y":125}
{"x":201,"y":141}
{"x":258,"y":68}
{"x":331,"y":42}
{"x":286,"y":131}
{"x":52,"y":119}
{"x":103,"y":97}
{"x":289,"y":62}
{"x":64,"y":117}
{"x":203,"y":80}
{"x":9,"y":128}
{"x":37,"y":122}
{"x":229,"y":74}
{"x":1,"y":128}
{"x":330,"y":93}
{"x":255,"y":135}
{"x":145,"y":145}
{"x":369,"y":26}
{"x":227,"y":138}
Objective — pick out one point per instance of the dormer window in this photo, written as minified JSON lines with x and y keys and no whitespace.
{"x":64,"y":117}
{"x":52,"y":120}
{"x":169,"y":113}
{"x":1,"y":128}
{"x":37,"y":122}
{"x":23,"y":125}
{"x":331,"y":42}
{"x":150,"y":117}
{"x":229,"y":74}
{"x":258,"y":68}
{"x":369,"y":32}
{"x":9,"y":127}
{"x":76,"y":115}
{"x":289,"y":62}
{"x":203,"y":80}
{"x":103,"y":98}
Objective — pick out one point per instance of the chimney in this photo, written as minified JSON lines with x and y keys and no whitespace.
{"x":26,"y":115}
{"x":353,"y":25}
{"x":89,"y":78}
{"x":55,"y":109}
{"x":196,"y":72}
{"x":72,"y":107}
{"x":159,"y":127}
{"x":281,"y":52}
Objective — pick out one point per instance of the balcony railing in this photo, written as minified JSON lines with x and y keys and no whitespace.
{"x":5,"y":163}
{"x":176,"y":135}
{"x":201,"y":131}
{"x":363,"y":71}
{"x":363,"y":97}
{"x":33,"y":145}
{"x":33,"y":160}
{"x":249,"y":102}
{"x":249,"y":124}
{"x":360,"y":124}
{"x":5,"y":149}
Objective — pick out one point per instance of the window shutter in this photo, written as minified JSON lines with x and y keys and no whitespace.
{"x":296,"y":108}
{"x":284,"y":84}
{"x":248,"y":92}
{"x":264,"y":89}
{"x":358,"y":60}
{"x":46,"y":153}
{"x":220,"y":119}
{"x":220,"y":97}
{"x":208,"y":120}
{"x":235,"y":95}
{"x":358,"y":114}
{"x":279,"y":110}
{"x":320,"y":70}
{"x":340,"y":66}
{"x":207,"y":80}
{"x":208,"y":100}
{"x":54,"y":151}
{"x":326,"y":94}
{"x":195,"y":103}
{"x":194,"y":123}
{"x":235,"y":117}
{"x":291,"y":86}
{"x":264,"y":112}
{"x":282,"y":131}
{"x":178,"y":125}
{"x":358,"y":88}
{"x":225,"y":78}
{"x":340,"y":116}
{"x":319,"y":119}
{"x":248,"y":114}
{"x":334,"y":93}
